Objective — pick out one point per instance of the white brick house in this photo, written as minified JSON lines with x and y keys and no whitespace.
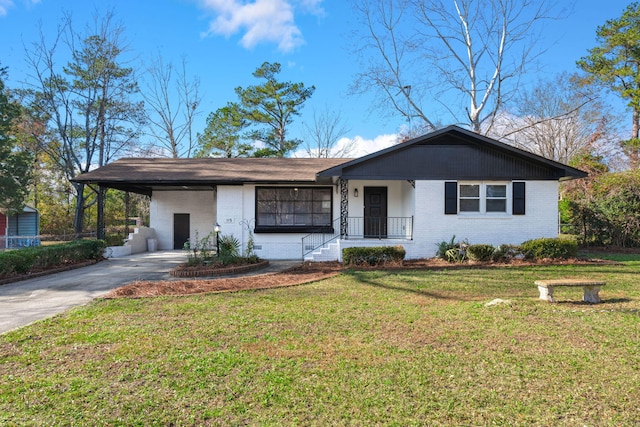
{"x":416,"y":194}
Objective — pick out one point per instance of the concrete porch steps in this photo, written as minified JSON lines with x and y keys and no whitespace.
{"x":331,"y":252}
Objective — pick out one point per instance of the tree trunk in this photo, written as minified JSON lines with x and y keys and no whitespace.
{"x":634,"y":156}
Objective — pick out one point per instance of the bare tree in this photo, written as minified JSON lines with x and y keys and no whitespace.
{"x":173,"y":100}
{"x":86,"y":104}
{"x":324,"y":135}
{"x":559,"y":120}
{"x":458,"y":60}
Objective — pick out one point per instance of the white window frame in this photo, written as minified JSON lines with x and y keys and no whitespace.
{"x":483,"y":198}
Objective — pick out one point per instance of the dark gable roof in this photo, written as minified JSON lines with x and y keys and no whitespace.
{"x":453,"y":153}
{"x":142,"y":175}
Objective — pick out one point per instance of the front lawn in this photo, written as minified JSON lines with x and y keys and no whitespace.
{"x":363,"y":348}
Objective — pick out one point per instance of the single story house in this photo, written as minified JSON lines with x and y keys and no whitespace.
{"x":20,"y":229}
{"x":451,"y":182}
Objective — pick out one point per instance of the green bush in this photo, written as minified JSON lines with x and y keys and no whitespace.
{"x":37,"y":258}
{"x":480,"y":252}
{"x":17,"y":261}
{"x":505,"y":253}
{"x":452,"y":251}
{"x":374,"y":255}
{"x":229,"y":249}
{"x":200,"y":251}
{"x":552,"y":248}
{"x":603,"y":210}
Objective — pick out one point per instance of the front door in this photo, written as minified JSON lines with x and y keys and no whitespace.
{"x":180,"y":230}
{"x":375,"y":212}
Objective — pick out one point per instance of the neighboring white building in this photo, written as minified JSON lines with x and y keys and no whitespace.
{"x":415,"y":194}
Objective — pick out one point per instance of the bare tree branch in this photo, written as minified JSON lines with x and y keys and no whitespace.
{"x":324,"y":133}
{"x":474,"y":50}
{"x":173,"y":102}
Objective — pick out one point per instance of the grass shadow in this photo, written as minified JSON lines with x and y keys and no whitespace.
{"x":360,"y":276}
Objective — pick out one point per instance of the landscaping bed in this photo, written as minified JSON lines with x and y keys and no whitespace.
{"x":186,"y":270}
{"x":304,"y":273}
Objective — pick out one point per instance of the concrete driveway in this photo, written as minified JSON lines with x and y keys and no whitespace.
{"x":25,"y":302}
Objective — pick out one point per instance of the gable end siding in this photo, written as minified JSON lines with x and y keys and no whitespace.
{"x":461,"y":162}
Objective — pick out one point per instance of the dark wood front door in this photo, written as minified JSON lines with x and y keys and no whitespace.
{"x":375,"y":212}
{"x":180,"y":230}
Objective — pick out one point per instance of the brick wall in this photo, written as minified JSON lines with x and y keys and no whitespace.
{"x":431,"y":226}
{"x":198,"y":204}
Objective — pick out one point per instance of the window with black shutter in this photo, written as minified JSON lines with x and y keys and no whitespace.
{"x":518,"y":207}
{"x":450,"y":198}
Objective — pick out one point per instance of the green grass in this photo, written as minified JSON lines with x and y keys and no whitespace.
{"x":365,"y":348}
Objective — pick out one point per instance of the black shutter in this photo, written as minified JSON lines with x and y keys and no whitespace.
{"x":518,"y":198}
{"x":450,"y":198}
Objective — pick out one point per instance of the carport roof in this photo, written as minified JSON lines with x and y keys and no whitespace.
{"x":142,"y":175}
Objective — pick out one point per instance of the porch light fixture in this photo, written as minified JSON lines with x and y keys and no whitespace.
{"x":217,"y":230}
{"x":355,"y":192}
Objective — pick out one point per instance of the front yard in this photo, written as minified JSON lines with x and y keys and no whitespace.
{"x":402,"y":347}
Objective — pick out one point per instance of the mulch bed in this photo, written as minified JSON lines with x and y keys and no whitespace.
{"x":304,"y":273}
{"x":291,"y":277}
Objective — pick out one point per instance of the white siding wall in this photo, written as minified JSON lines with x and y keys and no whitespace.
{"x":431,"y":226}
{"x":199,"y":205}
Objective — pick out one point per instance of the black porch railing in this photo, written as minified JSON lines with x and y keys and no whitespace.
{"x":391,"y":227}
{"x":361,"y":228}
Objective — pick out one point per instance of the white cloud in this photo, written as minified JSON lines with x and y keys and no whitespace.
{"x":4,"y":6}
{"x":358,"y":146}
{"x":362,"y":146}
{"x":260,"y":21}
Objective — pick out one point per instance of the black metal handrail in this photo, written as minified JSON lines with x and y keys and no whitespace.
{"x":390,"y":227}
{"x":313,"y":241}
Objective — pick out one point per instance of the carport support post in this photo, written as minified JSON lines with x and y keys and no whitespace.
{"x":126,"y":214}
{"x":100,"y":232}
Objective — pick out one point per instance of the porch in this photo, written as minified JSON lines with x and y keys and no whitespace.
{"x":363,"y":230}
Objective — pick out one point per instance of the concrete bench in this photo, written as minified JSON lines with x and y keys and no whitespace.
{"x":591,"y":288}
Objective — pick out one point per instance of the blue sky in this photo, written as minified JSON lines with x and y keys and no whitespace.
{"x":224,"y":41}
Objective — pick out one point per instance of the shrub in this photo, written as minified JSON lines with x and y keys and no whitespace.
{"x":480,"y":252}
{"x":375,"y":255}
{"x":505,"y":253}
{"x":24,"y":260}
{"x":229,"y":249}
{"x":452,"y":251}
{"x":553,"y":248}
{"x":115,"y":239}
{"x":18,"y":261}
{"x":199,"y":251}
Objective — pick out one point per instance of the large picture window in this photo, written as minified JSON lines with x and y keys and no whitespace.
{"x":293,"y":209}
